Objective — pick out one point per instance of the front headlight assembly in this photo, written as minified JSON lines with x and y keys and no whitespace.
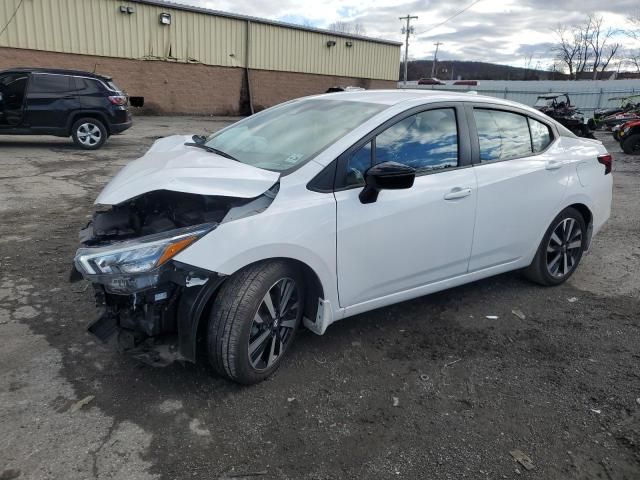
{"x":134,"y":265}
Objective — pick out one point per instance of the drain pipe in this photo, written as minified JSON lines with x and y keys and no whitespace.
{"x":246,"y":63}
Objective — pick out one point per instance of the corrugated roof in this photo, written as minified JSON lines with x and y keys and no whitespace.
{"x":218,"y":13}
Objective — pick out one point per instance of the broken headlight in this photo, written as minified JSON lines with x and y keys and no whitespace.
{"x":134,"y":264}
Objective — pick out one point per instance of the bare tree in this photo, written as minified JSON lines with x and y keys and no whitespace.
{"x":351,"y":28}
{"x":572,"y":49}
{"x":601,"y":45}
{"x":587,"y":46}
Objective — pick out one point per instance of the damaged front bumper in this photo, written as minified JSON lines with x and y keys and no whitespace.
{"x":145,"y":298}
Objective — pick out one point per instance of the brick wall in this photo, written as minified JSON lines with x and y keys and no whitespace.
{"x":170,"y":87}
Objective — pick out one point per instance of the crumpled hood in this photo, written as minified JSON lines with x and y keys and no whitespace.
{"x":171,"y":165}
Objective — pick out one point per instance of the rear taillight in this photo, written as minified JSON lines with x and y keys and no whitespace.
{"x":607,"y":161}
{"x":118,"y":100}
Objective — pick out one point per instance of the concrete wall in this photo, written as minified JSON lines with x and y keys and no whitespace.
{"x":170,"y":87}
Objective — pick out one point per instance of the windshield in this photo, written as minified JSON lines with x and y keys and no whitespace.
{"x":284,"y":137}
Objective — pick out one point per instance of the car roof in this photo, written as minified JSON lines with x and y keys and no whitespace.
{"x":393,"y":97}
{"x":58,"y":71}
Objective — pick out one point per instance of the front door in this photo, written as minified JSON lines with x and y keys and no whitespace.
{"x":414,"y":237}
{"x":12,"y":93}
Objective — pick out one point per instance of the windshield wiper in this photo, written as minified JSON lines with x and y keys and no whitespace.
{"x":211,"y":150}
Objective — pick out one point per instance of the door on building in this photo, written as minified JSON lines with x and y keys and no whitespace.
{"x":13,"y":87}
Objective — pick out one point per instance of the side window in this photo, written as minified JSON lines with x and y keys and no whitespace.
{"x":426,"y":141}
{"x":49,"y":83}
{"x":540,"y":135}
{"x":357,"y":165}
{"x":502,"y":135}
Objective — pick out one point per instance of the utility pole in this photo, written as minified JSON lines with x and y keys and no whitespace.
{"x":435,"y":59}
{"x":407,"y":30}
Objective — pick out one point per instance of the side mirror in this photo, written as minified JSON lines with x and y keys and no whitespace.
{"x":199,"y":139}
{"x":386,"y":176}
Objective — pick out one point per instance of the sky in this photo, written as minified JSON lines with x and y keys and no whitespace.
{"x":497,"y":31}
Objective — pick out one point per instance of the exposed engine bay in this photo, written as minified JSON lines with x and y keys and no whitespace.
{"x":155,"y":212}
{"x":142,"y":294}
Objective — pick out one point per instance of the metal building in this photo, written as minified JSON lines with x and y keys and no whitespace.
{"x":168,"y":52}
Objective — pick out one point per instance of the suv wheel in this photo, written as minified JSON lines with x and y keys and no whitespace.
{"x":254,"y":320}
{"x":560,"y":251}
{"x":89,"y":133}
{"x":631,"y":145}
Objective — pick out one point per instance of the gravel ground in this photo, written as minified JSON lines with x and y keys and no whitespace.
{"x":429,"y":389}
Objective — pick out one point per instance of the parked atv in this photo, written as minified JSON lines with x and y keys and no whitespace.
{"x":627,"y":103}
{"x":558,"y":106}
{"x":620,"y":118}
{"x":629,"y":135}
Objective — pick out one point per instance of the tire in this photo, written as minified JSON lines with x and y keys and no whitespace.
{"x":241,"y":322}
{"x":631,"y":145}
{"x":543,"y":267}
{"x":89,"y":133}
{"x":616,"y":136}
{"x":591,"y":123}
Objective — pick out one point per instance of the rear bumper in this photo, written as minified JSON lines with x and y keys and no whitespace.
{"x":121,"y":127}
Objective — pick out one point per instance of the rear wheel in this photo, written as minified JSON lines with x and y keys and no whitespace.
{"x":631,"y":145}
{"x":89,"y":133}
{"x":254,"y":320}
{"x":561,"y":249}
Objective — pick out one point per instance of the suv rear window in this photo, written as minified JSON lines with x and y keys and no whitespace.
{"x":50,"y":83}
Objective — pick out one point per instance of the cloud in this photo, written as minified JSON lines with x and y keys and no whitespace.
{"x":503,"y":31}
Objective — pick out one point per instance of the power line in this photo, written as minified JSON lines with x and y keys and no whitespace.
{"x":452,"y":16}
{"x":11,"y":18}
{"x":408,"y":30}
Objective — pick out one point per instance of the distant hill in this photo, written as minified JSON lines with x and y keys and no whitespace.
{"x":455,"y":69}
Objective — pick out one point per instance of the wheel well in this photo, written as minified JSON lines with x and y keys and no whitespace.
{"x":97,"y":116}
{"x":314,"y":291}
{"x":584,"y":211}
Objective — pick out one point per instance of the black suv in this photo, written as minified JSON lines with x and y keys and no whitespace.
{"x":39,"y":101}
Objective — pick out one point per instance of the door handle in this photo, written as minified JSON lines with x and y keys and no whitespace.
{"x":457,"y":193}
{"x":554,"y":164}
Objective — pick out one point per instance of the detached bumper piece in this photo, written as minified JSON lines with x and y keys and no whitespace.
{"x":157,"y":325}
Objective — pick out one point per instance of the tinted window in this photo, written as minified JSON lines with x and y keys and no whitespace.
{"x":87,"y":86}
{"x":358,"y":165}
{"x":502,"y":135}
{"x":540,"y":135}
{"x":425,"y":141}
{"x":50,"y":84}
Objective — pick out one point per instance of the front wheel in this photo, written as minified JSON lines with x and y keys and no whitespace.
{"x":254,"y":320}
{"x":561,"y":249}
{"x":631,"y":145}
{"x":89,"y":133}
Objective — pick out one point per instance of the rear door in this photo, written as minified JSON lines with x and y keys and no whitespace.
{"x":522,"y":180}
{"x":407,"y":238}
{"x":51,"y":100}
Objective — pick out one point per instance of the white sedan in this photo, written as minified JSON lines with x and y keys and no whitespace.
{"x":330,"y":206}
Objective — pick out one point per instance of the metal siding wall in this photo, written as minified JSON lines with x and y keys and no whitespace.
{"x":96,"y":27}
{"x":287,"y":49}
